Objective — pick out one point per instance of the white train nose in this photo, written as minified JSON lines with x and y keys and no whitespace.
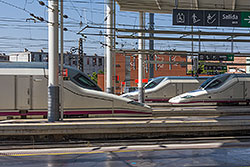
{"x":174,"y":100}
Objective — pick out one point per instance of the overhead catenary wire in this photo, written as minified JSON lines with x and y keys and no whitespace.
{"x":73,"y":26}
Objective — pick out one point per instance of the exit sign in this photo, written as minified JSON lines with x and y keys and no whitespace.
{"x":216,"y":57}
{"x":215,"y":18}
{"x":245,"y":19}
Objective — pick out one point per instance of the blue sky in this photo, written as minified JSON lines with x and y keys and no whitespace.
{"x":17,"y":31}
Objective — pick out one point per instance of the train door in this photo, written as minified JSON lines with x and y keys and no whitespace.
{"x":247,"y":90}
{"x":169,"y":91}
{"x":7,"y":90}
{"x":23,"y":101}
{"x":179,"y":88}
{"x":238,"y":91}
{"x":39,"y":92}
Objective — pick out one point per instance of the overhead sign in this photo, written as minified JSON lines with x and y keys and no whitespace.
{"x":212,"y":69}
{"x":216,"y":57}
{"x":245,"y":19}
{"x":211,"y":18}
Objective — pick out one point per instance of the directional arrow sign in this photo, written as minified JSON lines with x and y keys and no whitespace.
{"x":245,"y":19}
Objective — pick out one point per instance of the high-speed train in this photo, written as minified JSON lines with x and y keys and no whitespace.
{"x":24,"y":91}
{"x":220,"y":89}
{"x":165,"y":87}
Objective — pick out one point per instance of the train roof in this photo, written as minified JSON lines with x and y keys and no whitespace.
{"x":181,"y":77}
{"x":23,"y":65}
{"x":234,"y":74}
{"x":35,"y":65}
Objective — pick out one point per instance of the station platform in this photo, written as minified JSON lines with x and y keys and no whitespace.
{"x":123,"y":128}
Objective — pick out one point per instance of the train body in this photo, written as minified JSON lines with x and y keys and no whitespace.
{"x":220,"y":89}
{"x":163,"y":88}
{"x":24,"y":91}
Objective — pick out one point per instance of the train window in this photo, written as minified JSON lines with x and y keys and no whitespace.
{"x":153,"y":83}
{"x":217,"y":82}
{"x":204,"y":84}
{"x":214,"y":84}
{"x":84,"y":81}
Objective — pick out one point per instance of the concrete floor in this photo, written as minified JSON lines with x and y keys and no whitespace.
{"x":216,"y":157}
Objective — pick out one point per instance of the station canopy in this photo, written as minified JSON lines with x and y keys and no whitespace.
{"x":166,"y":6}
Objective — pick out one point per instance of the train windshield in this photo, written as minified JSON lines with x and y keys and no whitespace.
{"x":85,"y":82}
{"x":153,"y":83}
{"x":217,"y":82}
{"x":204,"y":84}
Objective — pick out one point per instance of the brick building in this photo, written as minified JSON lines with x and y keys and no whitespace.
{"x":238,"y":69}
{"x":127,"y":70}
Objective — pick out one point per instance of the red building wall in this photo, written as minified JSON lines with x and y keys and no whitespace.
{"x":162,"y":69}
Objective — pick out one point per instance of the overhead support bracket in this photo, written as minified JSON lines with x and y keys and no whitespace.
{"x":233,"y":4}
{"x":158,"y":4}
{"x":196,"y":4}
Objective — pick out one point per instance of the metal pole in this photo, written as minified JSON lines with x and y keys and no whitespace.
{"x":197,"y":59}
{"x":53,"y":88}
{"x":140,"y":61}
{"x":114,"y":43}
{"x":192,"y":56}
{"x":80,"y":55}
{"x":109,"y":44}
{"x":62,"y":60}
{"x":151,"y":45}
{"x":232,"y":44}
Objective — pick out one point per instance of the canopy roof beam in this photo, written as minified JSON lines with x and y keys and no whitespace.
{"x":166,"y":6}
{"x":185,"y":32}
{"x":181,"y":39}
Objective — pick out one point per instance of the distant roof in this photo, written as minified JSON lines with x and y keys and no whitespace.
{"x":166,"y":6}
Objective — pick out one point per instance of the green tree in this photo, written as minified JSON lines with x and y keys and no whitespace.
{"x":94,"y":77}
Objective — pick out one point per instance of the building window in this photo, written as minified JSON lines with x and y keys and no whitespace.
{"x":94,"y":62}
{"x":28,"y":57}
{"x":87,"y":61}
{"x":40,"y":58}
{"x":33,"y":58}
{"x":232,"y":69}
{"x":100,"y":62}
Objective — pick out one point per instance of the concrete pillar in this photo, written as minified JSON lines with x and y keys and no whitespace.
{"x":53,"y":88}
{"x":140,"y":60}
{"x":109,"y":45}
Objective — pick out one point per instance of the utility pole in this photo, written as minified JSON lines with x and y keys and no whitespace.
{"x":151,"y":45}
{"x":62,"y":60}
{"x":53,"y":86}
{"x":80,"y":55}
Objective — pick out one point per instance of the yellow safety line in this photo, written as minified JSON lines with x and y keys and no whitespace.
{"x":69,"y":153}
